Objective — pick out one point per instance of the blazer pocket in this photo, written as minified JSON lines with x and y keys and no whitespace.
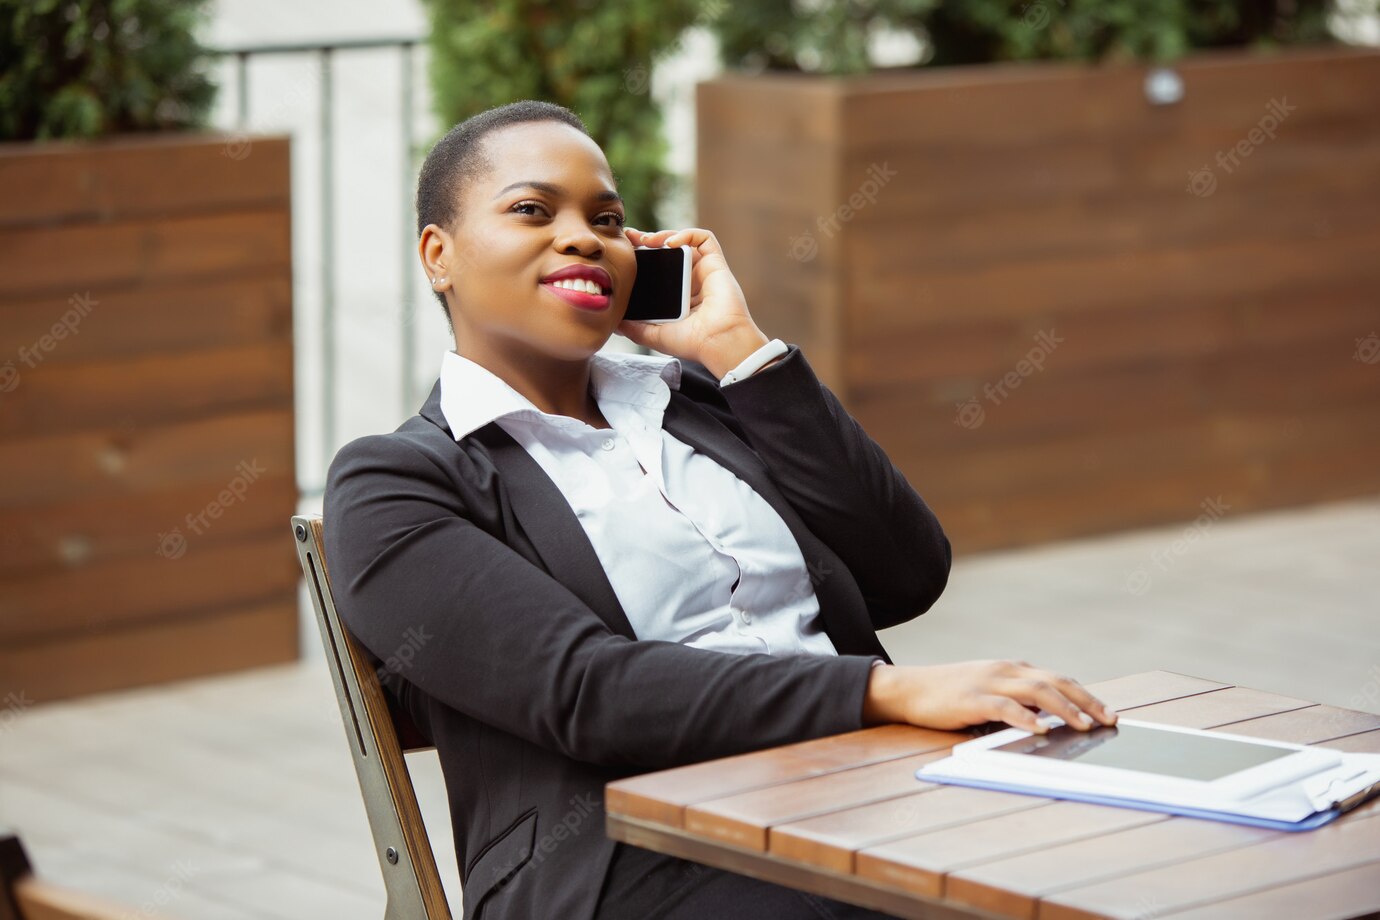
{"x":500,"y":860}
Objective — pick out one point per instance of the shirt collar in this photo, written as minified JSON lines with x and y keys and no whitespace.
{"x":472,"y":396}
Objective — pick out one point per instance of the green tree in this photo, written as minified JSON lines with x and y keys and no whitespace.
{"x":88,"y":68}
{"x":821,"y":36}
{"x":979,"y":31}
{"x":831,"y":36}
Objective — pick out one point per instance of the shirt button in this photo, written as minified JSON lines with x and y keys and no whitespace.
{"x":608,"y":444}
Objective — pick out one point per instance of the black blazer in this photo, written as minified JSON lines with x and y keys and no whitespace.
{"x":464,"y":566}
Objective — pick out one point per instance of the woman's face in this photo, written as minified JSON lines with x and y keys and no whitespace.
{"x":546,"y":203}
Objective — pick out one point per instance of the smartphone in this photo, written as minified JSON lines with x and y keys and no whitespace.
{"x":661,"y":293}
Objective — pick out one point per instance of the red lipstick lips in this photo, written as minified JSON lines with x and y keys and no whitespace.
{"x":579,"y":281}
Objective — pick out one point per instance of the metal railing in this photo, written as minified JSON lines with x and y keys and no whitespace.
{"x":326,"y":55}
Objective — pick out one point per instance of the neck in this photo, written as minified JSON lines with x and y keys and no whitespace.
{"x":554,"y":386}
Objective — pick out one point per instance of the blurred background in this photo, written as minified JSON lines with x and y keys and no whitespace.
{"x":1101,"y":277}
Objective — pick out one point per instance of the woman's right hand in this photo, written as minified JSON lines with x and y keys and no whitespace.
{"x":954,"y":696}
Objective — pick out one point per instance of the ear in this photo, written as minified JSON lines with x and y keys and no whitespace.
{"x":434,"y":249}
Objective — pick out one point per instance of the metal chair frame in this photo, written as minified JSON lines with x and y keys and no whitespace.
{"x":379,"y":733}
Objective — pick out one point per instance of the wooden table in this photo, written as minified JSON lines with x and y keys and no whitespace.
{"x":845,"y":817}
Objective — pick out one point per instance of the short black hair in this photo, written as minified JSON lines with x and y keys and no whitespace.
{"x":458,"y":158}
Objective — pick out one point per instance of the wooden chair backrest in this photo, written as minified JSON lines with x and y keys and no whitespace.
{"x":378,"y":733}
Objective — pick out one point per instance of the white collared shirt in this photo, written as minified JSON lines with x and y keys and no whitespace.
{"x":692,"y":552}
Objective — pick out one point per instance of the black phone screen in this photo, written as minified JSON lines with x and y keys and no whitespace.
{"x":656,"y":292}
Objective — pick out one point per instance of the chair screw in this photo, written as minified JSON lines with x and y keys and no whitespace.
{"x":392,"y":855}
{"x":301,"y":533}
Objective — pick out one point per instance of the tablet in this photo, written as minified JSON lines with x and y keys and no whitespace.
{"x":1149,"y":756}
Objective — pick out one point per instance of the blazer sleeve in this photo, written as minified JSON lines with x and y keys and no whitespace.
{"x":843,"y":485}
{"x":497,"y":638}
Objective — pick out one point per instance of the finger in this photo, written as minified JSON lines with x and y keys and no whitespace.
{"x":695,"y":238}
{"x":660,"y":237}
{"x":1005,"y":709}
{"x":1043,"y":692}
{"x":1080,"y":697}
{"x":1088,"y":702}
{"x":1074,"y":691}
{"x":650,"y":238}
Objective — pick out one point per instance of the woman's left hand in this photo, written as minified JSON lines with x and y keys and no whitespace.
{"x":718,"y":326}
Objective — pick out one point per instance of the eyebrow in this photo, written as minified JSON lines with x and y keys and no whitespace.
{"x":548,"y":188}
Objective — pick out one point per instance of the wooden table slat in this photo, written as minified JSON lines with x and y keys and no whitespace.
{"x":1361,"y":743}
{"x":1308,"y":725}
{"x":831,"y":840}
{"x":1150,"y":687}
{"x":743,"y":819}
{"x":1207,"y":710}
{"x":1335,"y":896}
{"x":1012,"y":886}
{"x":1285,"y":858}
{"x":919,"y":863}
{"x":663,"y":796}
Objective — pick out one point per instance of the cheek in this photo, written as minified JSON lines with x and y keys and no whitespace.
{"x":625,"y":262}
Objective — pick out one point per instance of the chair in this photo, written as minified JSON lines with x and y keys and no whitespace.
{"x":379,"y":733}
{"x":24,"y":896}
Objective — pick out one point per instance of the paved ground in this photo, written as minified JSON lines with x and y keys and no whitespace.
{"x":233,"y":798}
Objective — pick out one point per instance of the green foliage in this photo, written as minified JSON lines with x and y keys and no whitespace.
{"x":822,"y":36}
{"x":591,"y":57}
{"x":88,"y":68}
{"x":830,"y":36}
{"x":979,"y":31}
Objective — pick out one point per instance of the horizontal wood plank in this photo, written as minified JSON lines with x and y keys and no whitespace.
{"x":832,"y":840}
{"x":1229,"y":705}
{"x":172,"y":580}
{"x":1310,"y":725}
{"x":1340,"y":895}
{"x":146,"y":319}
{"x":65,"y":536}
{"x":156,"y":652}
{"x":149,"y":389}
{"x":141,"y":251}
{"x":140,"y":460}
{"x":664,"y":795}
{"x":920,"y":863}
{"x":1268,"y":863}
{"x":744,"y":819}
{"x":138,"y":175}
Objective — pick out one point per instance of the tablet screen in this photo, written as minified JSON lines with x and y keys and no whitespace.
{"x":1149,"y":750}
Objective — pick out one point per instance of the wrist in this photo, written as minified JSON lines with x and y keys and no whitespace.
{"x":881,"y":700}
{"x":727,"y":350}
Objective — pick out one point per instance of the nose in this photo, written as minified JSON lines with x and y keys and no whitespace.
{"x":576,"y":237}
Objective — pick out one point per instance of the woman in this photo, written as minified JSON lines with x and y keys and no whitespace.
{"x":610,"y":564}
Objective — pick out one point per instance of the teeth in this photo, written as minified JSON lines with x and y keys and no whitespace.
{"x":578,"y":284}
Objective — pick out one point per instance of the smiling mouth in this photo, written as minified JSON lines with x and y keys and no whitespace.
{"x":580,"y":293}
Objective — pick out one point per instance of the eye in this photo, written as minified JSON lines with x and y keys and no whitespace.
{"x":525,"y":204}
{"x":618,"y":219}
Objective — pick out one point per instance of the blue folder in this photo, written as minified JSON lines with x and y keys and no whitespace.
{"x":1317,"y":819}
